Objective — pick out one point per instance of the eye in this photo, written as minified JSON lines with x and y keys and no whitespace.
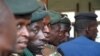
{"x":34,"y":30}
{"x":19,"y":26}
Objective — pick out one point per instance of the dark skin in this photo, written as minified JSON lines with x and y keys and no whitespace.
{"x":54,"y":34}
{"x":35,"y":27}
{"x":91,"y":31}
{"x":22,"y":33}
{"x":58,"y":34}
{"x":7,"y":30}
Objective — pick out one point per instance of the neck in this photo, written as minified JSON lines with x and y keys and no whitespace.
{"x":90,"y":38}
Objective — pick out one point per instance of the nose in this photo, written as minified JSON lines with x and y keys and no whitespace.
{"x":46,"y":29}
{"x":24,"y":32}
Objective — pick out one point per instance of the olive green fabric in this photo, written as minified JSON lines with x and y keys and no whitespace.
{"x":65,"y":21}
{"x":38,"y":15}
{"x":22,"y":6}
{"x":27,"y":53}
{"x":42,"y":5}
{"x":55,"y":17}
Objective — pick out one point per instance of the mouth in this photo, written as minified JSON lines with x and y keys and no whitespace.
{"x":22,"y":45}
{"x":45,"y":40}
{"x":23,"y":42}
{"x":41,"y":46}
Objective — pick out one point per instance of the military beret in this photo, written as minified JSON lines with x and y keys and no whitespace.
{"x":38,"y":15}
{"x":22,"y":6}
{"x":86,"y":15}
{"x":65,"y":20}
{"x":42,"y":5}
{"x":55,"y":17}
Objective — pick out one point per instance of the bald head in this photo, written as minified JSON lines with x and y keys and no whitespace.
{"x":7,"y":28}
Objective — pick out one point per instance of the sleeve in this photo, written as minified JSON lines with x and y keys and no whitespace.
{"x":60,"y":51}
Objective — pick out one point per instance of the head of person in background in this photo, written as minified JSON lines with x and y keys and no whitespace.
{"x":39,"y":22}
{"x":55,"y":18}
{"x":7,"y":30}
{"x":65,"y":26}
{"x":86,"y":24}
{"x":22,"y":11}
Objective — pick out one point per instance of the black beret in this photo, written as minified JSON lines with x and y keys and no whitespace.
{"x":85,"y":15}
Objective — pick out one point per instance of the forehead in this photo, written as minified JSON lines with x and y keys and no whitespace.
{"x":23,"y":21}
{"x":55,"y":26}
{"x":63,"y":26}
{"x":46,"y":19}
{"x":33,"y":25}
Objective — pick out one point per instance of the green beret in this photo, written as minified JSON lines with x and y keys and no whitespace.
{"x":22,"y":6}
{"x":38,"y":15}
{"x":55,"y":17}
{"x":65,"y":20}
{"x":42,"y":5}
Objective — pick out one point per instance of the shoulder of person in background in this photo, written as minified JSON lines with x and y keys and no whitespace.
{"x":50,"y":50}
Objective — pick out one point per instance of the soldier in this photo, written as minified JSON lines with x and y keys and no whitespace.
{"x":64,"y":28}
{"x":36,"y":33}
{"x":7,"y":30}
{"x":51,"y":33}
{"x":84,"y":44}
{"x":40,"y":29}
{"x":22,"y":10}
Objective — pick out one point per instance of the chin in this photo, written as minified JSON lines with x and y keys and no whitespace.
{"x":19,"y":51}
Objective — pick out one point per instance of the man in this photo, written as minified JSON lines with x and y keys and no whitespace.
{"x":22,"y":10}
{"x":7,"y":30}
{"x":65,"y":26}
{"x":40,"y":29}
{"x":84,"y":44}
{"x":36,"y":33}
{"x":53,"y":33}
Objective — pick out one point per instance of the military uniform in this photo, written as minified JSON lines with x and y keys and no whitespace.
{"x":55,"y":17}
{"x":83,"y":45}
{"x":49,"y":49}
{"x":23,"y":7}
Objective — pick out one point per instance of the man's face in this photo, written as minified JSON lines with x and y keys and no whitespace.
{"x":58,"y":34}
{"x":37,"y":35}
{"x":54,"y":34}
{"x":92,"y":30}
{"x":23,"y":34}
{"x":40,"y":31}
{"x":64,"y":32}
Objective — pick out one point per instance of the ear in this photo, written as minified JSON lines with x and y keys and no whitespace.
{"x":87,"y":30}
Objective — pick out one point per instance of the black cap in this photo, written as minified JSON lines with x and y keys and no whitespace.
{"x":85,"y":15}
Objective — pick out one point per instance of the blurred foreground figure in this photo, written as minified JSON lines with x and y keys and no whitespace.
{"x":7,"y":30}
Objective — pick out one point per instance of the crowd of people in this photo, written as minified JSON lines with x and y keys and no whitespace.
{"x":28,"y":28}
